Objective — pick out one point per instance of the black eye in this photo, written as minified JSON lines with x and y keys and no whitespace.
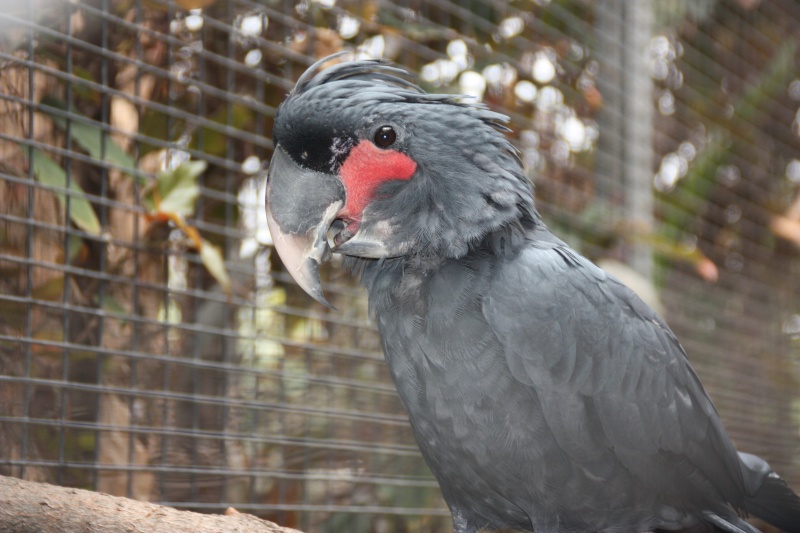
{"x":385,"y":137}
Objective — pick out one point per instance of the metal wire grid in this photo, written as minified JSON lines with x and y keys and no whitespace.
{"x":738,"y":333}
{"x":125,"y":366}
{"x":160,"y":415}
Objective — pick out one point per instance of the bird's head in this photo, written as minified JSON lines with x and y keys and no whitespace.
{"x":368,"y":165}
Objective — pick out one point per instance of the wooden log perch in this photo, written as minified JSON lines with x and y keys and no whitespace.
{"x":30,"y":507}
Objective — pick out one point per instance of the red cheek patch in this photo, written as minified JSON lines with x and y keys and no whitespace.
{"x":366,"y":168}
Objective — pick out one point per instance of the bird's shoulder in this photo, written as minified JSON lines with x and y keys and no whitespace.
{"x":596,"y":356}
{"x":549,"y":292}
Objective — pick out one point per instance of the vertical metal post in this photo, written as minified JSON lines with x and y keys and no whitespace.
{"x":625,"y":154}
{"x":638,"y":122}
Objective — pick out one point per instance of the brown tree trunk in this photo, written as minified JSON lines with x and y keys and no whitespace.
{"x":29,"y":507}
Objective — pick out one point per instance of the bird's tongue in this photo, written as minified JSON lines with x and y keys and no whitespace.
{"x":340,"y":232}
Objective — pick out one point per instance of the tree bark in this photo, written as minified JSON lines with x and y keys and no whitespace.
{"x":29,"y":507}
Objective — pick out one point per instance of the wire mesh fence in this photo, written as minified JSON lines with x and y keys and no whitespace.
{"x":152,"y":346}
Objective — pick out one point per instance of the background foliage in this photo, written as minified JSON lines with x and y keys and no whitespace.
{"x":151,"y":344}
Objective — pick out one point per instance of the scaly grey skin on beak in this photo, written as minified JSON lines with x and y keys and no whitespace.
{"x":301,"y":206}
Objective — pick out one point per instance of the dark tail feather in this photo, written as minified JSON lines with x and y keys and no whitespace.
{"x":777,"y":504}
{"x":772,"y":499}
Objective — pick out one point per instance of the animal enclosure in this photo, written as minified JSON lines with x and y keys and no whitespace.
{"x":153,"y":346}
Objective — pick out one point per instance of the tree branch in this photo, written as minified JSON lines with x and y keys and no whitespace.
{"x":29,"y":507}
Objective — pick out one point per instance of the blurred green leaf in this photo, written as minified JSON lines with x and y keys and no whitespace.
{"x":178,"y":189}
{"x":12,"y":316}
{"x":97,"y":142}
{"x":215,"y":142}
{"x":211,"y":256}
{"x":694,"y":189}
{"x":80,"y":210}
{"x":155,"y":124}
{"x":112,"y":305}
{"x":51,"y":290}
{"x":74,"y":247}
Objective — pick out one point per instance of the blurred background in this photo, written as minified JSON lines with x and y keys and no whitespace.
{"x":151,"y":344}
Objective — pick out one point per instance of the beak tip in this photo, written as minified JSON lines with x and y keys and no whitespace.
{"x":318,"y":295}
{"x":307,"y":277}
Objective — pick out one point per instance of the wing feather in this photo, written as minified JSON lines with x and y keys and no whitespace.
{"x":612,"y":379}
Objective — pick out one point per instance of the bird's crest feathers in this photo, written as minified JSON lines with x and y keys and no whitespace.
{"x":379,"y":79}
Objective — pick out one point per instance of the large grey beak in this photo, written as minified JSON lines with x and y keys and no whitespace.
{"x":301,"y":206}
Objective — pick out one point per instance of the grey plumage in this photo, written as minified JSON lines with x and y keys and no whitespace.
{"x":543,"y":393}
